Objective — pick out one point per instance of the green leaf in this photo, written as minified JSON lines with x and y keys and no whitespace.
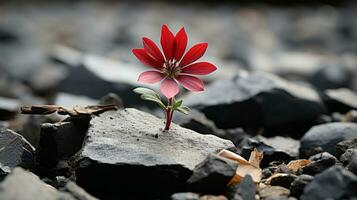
{"x":177,"y":104}
{"x":153,"y":98}
{"x":183,"y":109}
{"x":142,"y":90}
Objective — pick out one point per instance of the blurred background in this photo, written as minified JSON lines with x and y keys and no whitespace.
{"x":75,"y":52}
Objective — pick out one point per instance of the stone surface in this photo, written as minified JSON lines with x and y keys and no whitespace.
{"x":212,"y":175}
{"x":298,"y":185}
{"x":347,"y":156}
{"x":259,"y":96}
{"x":58,"y":141}
{"x":283,"y":181}
{"x":185,"y":196}
{"x":352,"y":166}
{"x":320,"y":162}
{"x":325,"y":137}
{"x":273,"y":192}
{"x":341,"y":147}
{"x":246,"y":189}
{"x":15,"y":150}
{"x":127,"y":146}
{"x":332,"y":77}
{"x":24,"y":185}
{"x":196,"y":121}
{"x":334,"y":183}
{"x":340,"y":100}
{"x":8,"y":108}
{"x":274,"y":149}
{"x":77,"y":192}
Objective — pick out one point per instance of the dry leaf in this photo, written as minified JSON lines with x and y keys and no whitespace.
{"x":245,"y":167}
{"x":295,"y":165}
{"x":73,"y":112}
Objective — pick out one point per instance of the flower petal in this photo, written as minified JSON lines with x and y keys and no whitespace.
{"x":169,"y":88}
{"x":180,"y":44}
{"x":194,"y":54}
{"x":146,"y":59}
{"x":151,"y":47}
{"x":150,"y":77}
{"x":167,"y":42}
{"x":191,"y":83}
{"x":200,"y":68}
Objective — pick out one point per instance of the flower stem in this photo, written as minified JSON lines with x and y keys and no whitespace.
{"x":169,"y":113}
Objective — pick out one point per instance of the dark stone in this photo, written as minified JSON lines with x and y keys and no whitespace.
{"x":320,"y":162}
{"x":113,"y":99}
{"x":341,"y":147}
{"x":212,"y":175}
{"x":298,"y":185}
{"x":340,"y":100}
{"x":352,"y":166}
{"x":24,"y":185}
{"x":283,"y":181}
{"x":334,"y":183}
{"x":60,"y":141}
{"x":259,"y":96}
{"x":246,"y":189}
{"x":196,"y":121}
{"x":8,"y":108}
{"x":266,"y":173}
{"x":347,"y":156}
{"x":274,"y":149}
{"x":325,"y":137}
{"x":126,"y":146}
{"x":185,"y":196}
{"x":332,"y":77}
{"x":15,"y":150}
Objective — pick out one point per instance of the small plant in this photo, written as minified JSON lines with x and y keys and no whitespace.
{"x":172,"y":67}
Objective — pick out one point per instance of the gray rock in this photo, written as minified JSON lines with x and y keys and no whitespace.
{"x":15,"y":150}
{"x":347,"y":156}
{"x":341,"y":147}
{"x":340,"y":100}
{"x":127,"y":146}
{"x":259,"y":96}
{"x":283,"y":181}
{"x":320,"y":162}
{"x":298,"y":185}
{"x":332,"y":77}
{"x":8,"y":108}
{"x":352,"y":166}
{"x":246,"y":189}
{"x":274,"y":149}
{"x":273,"y":192}
{"x":185,"y":196}
{"x":59,"y":141}
{"x":196,"y":121}
{"x":325,"y":137}
{"x":77,"y":192}
{"x":334,"y":183}
{"x":24,"y":185}
{"x":213,"y":174}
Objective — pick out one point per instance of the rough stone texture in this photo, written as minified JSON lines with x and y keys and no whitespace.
{"x":128,"y":146}
{"x":246,"y":189}
{"x":320,"y":162}
{"x":274,"y":149}
{"x":185,"y":196}
{"x":15,"y":150}
{"x":334,"y":183}
{"x":352,"y":166}
{"x":347,"y":156}
{"x":253,"y":100}
{"x":196,"y":121}
{"x":298,"y":185}
{"x":273,"y":192}
{"x":59,"y":141}
{"x":341,"y":147}
{"x":213,"y":174}
{"x":22,"y":185}
{"x":283,"y":181}
{"x":340,"y":100}
{"x":325,"y":137}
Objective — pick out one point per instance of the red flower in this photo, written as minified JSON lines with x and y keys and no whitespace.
{"x":173,"y":66}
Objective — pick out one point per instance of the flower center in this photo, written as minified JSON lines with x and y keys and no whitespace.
{"x":171,"y":68}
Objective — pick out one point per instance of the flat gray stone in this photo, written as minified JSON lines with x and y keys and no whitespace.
{"x":125,"y":146}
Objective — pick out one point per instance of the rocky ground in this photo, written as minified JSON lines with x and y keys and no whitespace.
{"x":278,"y":120}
